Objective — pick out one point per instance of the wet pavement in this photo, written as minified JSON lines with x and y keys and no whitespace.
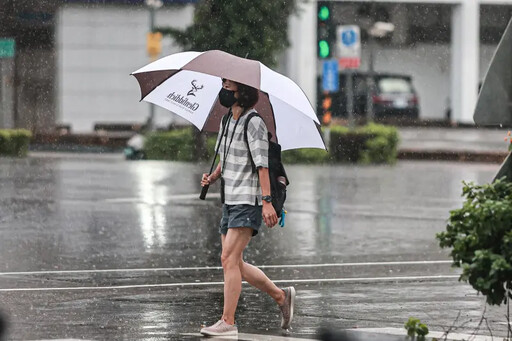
{"x":94,"y":247}
{"x":453,"y":139}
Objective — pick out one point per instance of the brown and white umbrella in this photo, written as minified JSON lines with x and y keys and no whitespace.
{"x":188,"y":84}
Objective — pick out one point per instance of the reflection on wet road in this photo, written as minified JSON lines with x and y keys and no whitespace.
{"x":102,"y":248}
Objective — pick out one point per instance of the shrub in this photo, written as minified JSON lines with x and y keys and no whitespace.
{"x":172,"y":145}
{"x":368,"y":144}
{"x":14,"y":142}
{"x":210,"y":146}
{"x":415,"y":327}
{"x":382,"y":148}
{"x":373,"y":143}
{"x":480,"y":235}
{"x":305,"y":155}
{"x":5,"y":142}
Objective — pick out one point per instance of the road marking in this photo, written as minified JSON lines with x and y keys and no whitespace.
{"x":194,"y":284}
{"x":253,"y":337}
{"x":284,"y":266}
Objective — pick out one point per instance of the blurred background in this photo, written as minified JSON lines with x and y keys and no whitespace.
{"x":66,"y":63}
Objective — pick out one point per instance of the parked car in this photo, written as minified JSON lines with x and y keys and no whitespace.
{"x":394,"y":96}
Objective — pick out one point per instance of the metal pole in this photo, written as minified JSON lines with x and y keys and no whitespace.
{"x":370,"y":82}
{"x":152,"y":11}
{"x":350,"y":98}
{"x":15,"y":113}
{"x":3,"y":98}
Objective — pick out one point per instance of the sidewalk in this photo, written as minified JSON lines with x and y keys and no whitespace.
{"x":457,"y":144}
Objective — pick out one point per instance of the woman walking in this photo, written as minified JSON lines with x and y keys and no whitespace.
{"x":246,"y":201}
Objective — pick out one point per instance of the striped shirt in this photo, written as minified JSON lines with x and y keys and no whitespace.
{"x":241,"y":185}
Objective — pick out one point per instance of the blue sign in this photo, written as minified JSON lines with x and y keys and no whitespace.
{"x":348,"y":37}
{"x":330,"y":77}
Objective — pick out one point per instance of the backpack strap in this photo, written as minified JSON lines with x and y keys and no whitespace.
{"x":225,"y":119}
{"x":246,"y":125}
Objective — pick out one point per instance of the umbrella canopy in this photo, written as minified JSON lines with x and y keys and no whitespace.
{"x":494,"y":102}
{"x":188,"y":84}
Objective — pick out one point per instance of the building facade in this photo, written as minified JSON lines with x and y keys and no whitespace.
{"x":97,"y":49}
{"x":445,"y":45}
{"x":28,"y":79}
{"x":73,"y":58}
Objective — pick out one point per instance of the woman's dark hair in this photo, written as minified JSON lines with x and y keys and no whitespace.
{"x":247,"y":96}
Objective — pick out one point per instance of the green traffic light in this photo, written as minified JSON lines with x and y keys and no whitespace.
{"x":323,"y":13}
{"x":323,"y":49}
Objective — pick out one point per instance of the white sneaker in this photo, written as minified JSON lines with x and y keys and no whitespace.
{"x":221,"y":328}
{"x":287,"y":307}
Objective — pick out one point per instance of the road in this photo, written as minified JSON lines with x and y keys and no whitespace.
{"x":94,"y":247}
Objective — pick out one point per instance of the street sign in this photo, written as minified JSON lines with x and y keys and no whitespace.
{"x":348,"y":46}
{"x":7,"y":48}
{"x":330,"y":77}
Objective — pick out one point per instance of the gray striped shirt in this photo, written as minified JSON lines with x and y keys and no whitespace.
{"x":242,"y":186}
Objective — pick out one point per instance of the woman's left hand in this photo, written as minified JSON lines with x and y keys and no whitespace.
{"x":269,"y":214}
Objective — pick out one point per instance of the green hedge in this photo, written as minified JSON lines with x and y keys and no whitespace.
{"x":372,"y":143}
{"x":14,"y":142}
{"x":210,"y":146}
{"x":172,"y":145}
{"x":305,"y":155}
{"x":382,"y":147}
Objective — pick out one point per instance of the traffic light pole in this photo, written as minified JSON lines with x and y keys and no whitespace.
{"x":370,"y":81}
{"x":349,"y":85}
{"x":151,"y":118}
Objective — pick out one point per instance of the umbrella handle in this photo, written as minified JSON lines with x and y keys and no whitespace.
{"x":204,"y":190}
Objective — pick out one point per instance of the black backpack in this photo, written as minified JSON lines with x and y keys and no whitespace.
{"x":275,"y":169}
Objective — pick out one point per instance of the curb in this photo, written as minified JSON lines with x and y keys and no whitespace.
{"x":446,"y":155}
{"x":403,"y":154}
{"x":114,"y":142}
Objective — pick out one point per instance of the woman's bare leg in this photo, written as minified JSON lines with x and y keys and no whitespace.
{"x":233,"y":245}
{"x":257,"y":278}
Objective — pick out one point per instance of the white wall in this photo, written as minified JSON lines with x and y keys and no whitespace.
{"x":97,"y":49}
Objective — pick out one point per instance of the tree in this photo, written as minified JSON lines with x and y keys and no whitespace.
{"x":246,"y":28}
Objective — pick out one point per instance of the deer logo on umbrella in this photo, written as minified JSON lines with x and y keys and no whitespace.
{"x":194,"y":88}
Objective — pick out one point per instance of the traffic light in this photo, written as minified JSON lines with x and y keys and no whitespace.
{"x":325,"y":30}
{"x":154,"y":44}
{"x":327,"y":110}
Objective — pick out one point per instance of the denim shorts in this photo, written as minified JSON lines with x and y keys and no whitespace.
{"x":240,"y":216}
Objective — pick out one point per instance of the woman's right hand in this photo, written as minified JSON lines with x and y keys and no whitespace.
{"x":207,"y":180}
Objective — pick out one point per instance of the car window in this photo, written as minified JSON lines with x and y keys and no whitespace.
{"x":394,"y":85}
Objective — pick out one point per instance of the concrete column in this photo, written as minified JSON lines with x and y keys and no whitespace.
{"x":401,"y":20}
{"x":301,"y":56}
{"x":465,"y":60}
